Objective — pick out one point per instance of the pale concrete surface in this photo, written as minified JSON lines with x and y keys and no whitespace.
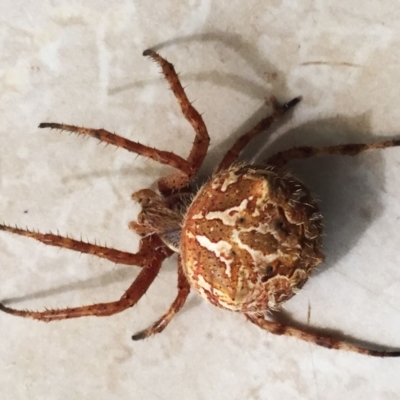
{"x":80,"y":62}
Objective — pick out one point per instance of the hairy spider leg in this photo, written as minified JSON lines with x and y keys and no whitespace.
{"x":128,"y":299}
{"x":202,"y":139}
{"x":283,"y":157}
{"x":141,"y":258}
{"x":321,"y":340}
{"x":188,"y":168}
{"x":161,"y":323}
{"x":163,"y":157}
{"x":233,"y":153}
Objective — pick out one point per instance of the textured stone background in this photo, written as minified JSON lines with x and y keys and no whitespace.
{"x":80,"y":62}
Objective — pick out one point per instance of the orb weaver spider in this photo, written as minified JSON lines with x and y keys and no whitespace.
{"x":247,"y":241}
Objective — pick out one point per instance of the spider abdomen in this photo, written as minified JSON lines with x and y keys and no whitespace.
{"x":251,"y":238}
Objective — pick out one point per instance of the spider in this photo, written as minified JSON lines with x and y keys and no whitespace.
{"x":247,"y":240}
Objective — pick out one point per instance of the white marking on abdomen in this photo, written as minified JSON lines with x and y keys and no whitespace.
{"x":221,"y":249}
{"x":224,"y":216}
{"x":259,"y":258}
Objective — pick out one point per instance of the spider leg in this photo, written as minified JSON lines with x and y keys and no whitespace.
{"x":161,"y":323}
{"x":201,"y":141}
{"x":128,"y":299}
{"x":117,"y":256}
{"x":233,"y":153}
{"x":163,"y":157}
{"x":320,"y":340}
{"x":283,"y":157}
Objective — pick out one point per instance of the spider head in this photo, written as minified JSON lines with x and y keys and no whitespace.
{"x":157,"y":216}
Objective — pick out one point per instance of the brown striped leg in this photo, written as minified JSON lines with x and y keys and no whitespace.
{"x":120,"y":257}
{"x":163,"y":157}
{"x":201,"y":141}
{"x":233,"y":153}
{"x":283,"y":157}
{"x":129,"y":298}
{"x":324,"y":341}
{"x":161,"y":323}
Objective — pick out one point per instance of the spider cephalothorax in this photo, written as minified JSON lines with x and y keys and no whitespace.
{"x":247,"y":240}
